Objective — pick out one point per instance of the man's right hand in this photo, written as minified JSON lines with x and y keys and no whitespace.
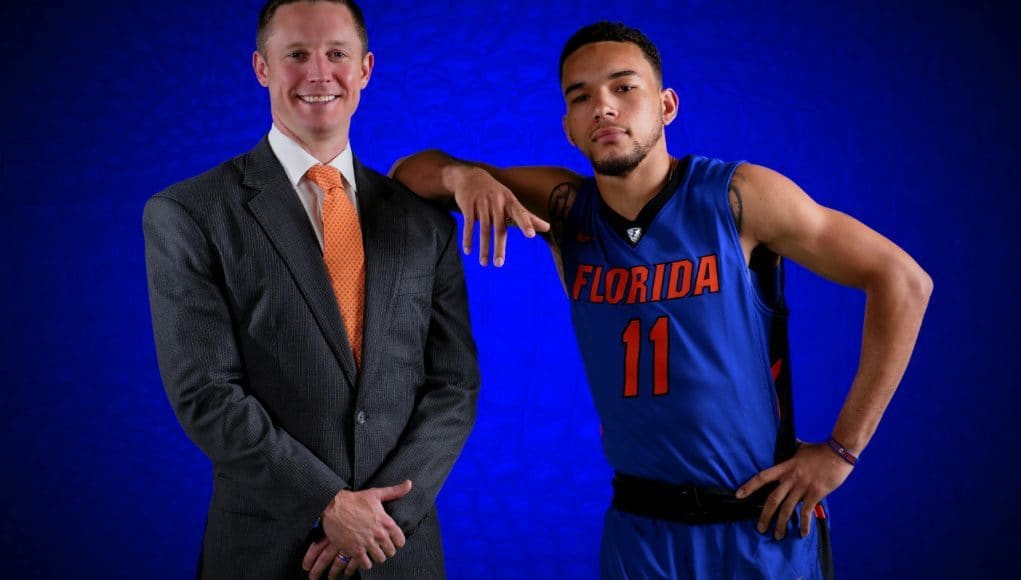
{"x":356,"y":523}
{"x":481,"y":197}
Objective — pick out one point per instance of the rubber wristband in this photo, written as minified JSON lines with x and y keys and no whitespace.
{"x":842,"y":451}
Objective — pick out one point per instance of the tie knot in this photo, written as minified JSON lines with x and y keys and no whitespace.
{"x":325,"y":176}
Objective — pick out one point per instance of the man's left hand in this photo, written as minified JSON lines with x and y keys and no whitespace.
{"x":812,"y":474}
{"x":322,"y":556}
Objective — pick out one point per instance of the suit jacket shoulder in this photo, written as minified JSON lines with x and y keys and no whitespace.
{"x":223,"y":184}
{"x":420,"y":209}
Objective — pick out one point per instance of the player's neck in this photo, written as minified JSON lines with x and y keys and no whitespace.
{"x":628,"y":194}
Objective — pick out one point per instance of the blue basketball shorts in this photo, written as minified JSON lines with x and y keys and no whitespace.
{"x":640,"y":548}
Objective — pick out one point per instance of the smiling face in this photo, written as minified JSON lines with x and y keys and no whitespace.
{"x":315,"y":67}
{"x":616,"y":108}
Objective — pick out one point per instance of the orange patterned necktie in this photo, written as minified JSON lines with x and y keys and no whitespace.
{"x":343,"y":252}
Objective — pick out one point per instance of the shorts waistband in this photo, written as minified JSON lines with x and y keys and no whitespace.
{"x":688,"y":504}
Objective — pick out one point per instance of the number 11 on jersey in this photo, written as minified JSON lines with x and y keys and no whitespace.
{"x":660,"y":339}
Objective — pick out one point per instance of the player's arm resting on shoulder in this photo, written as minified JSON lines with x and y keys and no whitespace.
{"x":492,"y":196}
{"x":203,"y":372}
{"x":435,"y":175}
{"x":777,"y":213}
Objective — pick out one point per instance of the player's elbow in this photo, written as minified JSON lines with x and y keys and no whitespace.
{"x":916,"y":282}
{"x":923,"y":285}
{"x":396,"y":167}
{"x":907,"y":283}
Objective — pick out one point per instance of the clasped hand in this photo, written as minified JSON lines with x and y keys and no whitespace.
{"x":358,"y":528}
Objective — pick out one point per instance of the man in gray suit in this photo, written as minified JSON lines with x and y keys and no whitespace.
{"x":328,"y":449}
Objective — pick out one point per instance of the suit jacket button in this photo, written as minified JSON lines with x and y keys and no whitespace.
{"x":360,"y":417}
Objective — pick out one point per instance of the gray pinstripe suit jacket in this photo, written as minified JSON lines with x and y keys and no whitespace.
{"x":257,"y":366}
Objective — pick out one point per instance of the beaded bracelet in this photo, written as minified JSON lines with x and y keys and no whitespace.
{"x":842,"y":451}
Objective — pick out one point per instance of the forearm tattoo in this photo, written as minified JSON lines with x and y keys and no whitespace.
{"x":560,"y":201}
{"x":736,"y":206}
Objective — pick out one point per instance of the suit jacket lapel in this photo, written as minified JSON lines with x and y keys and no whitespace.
{"x":383,"y":225}
{"x":281,"y":215}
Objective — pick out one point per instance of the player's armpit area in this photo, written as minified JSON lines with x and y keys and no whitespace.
{"x":734,"y":196}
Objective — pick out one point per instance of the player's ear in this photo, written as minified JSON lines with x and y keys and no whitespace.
{"x":670,"y":105}
{"x":567,"y":132}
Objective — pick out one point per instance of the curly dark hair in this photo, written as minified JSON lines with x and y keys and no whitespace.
{"x":613,"y":32}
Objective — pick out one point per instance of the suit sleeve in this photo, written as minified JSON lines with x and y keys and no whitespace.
{"x":445,"y":412}
{"x":204,"y":374}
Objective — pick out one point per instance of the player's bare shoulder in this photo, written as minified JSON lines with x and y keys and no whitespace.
{"x":753,"y":203}
{"x":772,"y":209}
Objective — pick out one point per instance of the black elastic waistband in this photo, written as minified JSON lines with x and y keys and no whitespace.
{"x":687,"y":504}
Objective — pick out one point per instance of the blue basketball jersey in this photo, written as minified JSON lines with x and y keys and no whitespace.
{"x":674,"y":334}
{"x":685,"y":350}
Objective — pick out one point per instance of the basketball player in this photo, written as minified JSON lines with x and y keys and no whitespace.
{"x":673,"y":270}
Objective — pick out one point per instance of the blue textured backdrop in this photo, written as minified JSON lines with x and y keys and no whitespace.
{"x":902,"y":116}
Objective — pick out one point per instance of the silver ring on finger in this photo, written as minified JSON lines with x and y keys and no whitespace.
{"x":343,"y":559}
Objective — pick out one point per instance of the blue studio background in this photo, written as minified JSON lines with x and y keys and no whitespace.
{"x":901,"y":114}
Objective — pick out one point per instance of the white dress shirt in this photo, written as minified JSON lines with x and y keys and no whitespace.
{"x":297,"y":161}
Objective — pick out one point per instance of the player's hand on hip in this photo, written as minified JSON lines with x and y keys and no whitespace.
{"x":359,"y":528}
{"x":482,"y":198}
{"x":812,"y":474}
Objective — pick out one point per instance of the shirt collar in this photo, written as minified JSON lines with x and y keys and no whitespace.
{"x":297,"y":161}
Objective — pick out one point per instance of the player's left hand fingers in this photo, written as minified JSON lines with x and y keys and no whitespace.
{"x":783,"y":517}
{"x":761,"y":478}
{"x":807,"y":514}
{"x":773,"y":502}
